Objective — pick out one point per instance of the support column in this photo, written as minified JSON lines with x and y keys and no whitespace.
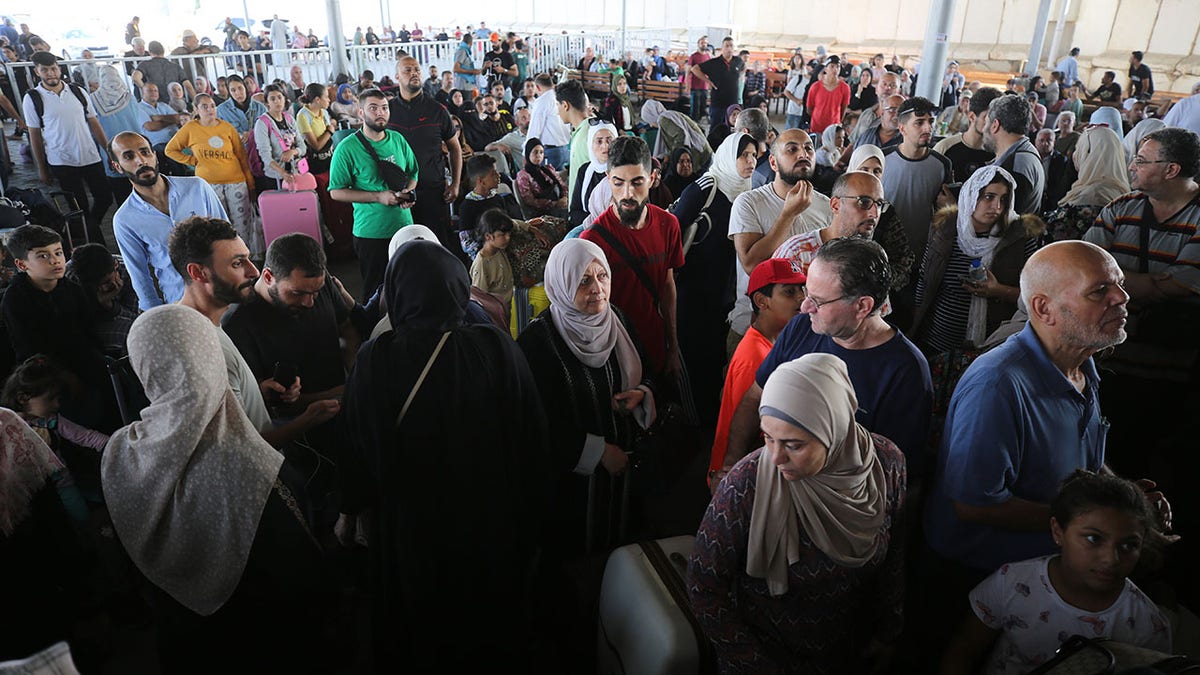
{"x":1052,"y":58}
{"x":1039,"y":38}
{"x":935,"y":49}
{"x":337,"y":40}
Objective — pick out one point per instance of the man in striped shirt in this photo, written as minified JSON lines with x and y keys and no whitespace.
{"x":1152,"y":234}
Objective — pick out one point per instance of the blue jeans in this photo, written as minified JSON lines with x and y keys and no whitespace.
{"x":559,"y":156}
{"x":699,"y":103}
{"x":716,"y":115}
{"x":793,"y":121}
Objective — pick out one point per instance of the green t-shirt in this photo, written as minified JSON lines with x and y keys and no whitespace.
{"x":579,"y":153}
{"x":353,"y":169}
{"x":522,"y":60}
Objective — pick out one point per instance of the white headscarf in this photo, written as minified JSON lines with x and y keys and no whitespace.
{"x":862,"y":153}
{"x":842,"y":507}
{"x":186,"y":485}
{"x":590,"y":337}
{"x":1103,"y":171}
{"x":595,"y":166}
{"x":113,"y":95}
{"x":409,"y":233}
{"x":1109,"y":116}
{"x":829,"y":152}
{"x":1134,"y":138}
{"x":975,"y":246}
{"x":176,"y":97}
{"x":724,"y":167}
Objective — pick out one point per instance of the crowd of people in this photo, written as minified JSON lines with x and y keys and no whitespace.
{"x":883,"y":323}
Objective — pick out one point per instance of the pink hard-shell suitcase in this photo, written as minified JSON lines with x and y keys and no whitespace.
{"x":284,"y":212}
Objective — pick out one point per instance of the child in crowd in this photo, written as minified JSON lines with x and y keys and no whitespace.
{"x":491,"y":270}
{"x":34,"y":391}
{"x":45,"y":314}
{"x":1025,"y":610}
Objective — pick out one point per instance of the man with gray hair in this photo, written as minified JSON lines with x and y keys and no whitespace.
{"x":1004,"y":136}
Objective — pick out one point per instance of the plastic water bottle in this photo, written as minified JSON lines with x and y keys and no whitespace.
{"x":978,"y":273}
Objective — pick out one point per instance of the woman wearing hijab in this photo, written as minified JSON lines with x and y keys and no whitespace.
{"x":799,"y":561}
{"x":116,"y":112}
{"x":889,"y":232}
{"x":676,"y":130}
{"x":196,"y":499}
{"x":345,"y":108}
{"x":590,"y":376}
{"x":457,"y":499}
{"x":1109,"y":117}
{"x":719,"y":133}
{"x":1134,"y":138}
{"x":1103,"y":176}
{"x":176,"y":99}
{"x":707,"y":284}
{"x":592,"y":175}
{"x":541,"y":190}
{"x":833,"y":142}
{"x":985,"y":231}
{"x":680,"y":171}
{"x":50,"y":570}
{"x":618,"y":109}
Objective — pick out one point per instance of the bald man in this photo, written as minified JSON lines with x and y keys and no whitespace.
{"x":1026,"y":415}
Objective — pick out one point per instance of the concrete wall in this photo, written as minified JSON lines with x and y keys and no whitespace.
{"x":987,"y":34}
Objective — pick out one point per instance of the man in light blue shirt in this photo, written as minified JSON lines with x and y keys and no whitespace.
{"x":159,"y":120}
{"x":1069,"y":67}
{"x":144,"y":222}
{"x":464,"y":67}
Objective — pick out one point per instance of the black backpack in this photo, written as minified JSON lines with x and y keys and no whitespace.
{"x":40,"y":106}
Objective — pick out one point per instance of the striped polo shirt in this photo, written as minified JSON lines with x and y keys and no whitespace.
{"x":1173,"y":246}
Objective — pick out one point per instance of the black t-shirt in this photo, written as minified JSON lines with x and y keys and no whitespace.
{"x":1108,"y":92}
{"x":506,"y":61}
{"x":1140,"y":80}
{"x":725,"y":75}
{"x":424,"y":123}
{"x":965,"y":160}
{"x":266,"y":335}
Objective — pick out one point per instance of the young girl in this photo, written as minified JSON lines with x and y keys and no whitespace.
{"x":33,"y":391}
{"x":1025,"y":610}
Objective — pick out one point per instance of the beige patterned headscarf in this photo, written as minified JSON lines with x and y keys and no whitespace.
{"x":26,"y":464}
{"x":841,"y":508}
{"x":186,"y":486}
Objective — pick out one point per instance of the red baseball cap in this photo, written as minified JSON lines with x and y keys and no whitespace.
{"x":774,"y":271}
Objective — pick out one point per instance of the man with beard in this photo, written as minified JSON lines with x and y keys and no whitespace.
{"x":356,"y":176}
{"x":296,"y":314}
{"x":857,"y":203}
{"x":763,"y":218}
{"x":886,"y":86}
{"x":64,"y":134}
{"x":846,"y":289}
{"x":1025,"y":416}
{"x":487,"y":125}
{"x":915,"y":178}
{"x":425,"y":125}
{"x":143,"y":223}
{"x":1004,"y":137}
{"x":643,"y":245}
{"x":216,"y":268}
{"x":965,"y":151}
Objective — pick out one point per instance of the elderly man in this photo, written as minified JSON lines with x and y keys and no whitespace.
{"x":884,"y":135}
{"x":512,"y":144}
{"x":885,"y":86}
{"x":847,"y":286}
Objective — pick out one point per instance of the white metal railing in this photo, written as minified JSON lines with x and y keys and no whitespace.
{"x":545,"y":53}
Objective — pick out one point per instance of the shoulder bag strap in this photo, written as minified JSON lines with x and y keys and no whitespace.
{"x":370,"y":150}
{"x":629,"y":260}
{"x":421,"y":378}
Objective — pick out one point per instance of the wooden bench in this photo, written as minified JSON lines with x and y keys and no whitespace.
{"x":593,"y":83}
{"x":989,"y":78}
{"x":663,"y":91}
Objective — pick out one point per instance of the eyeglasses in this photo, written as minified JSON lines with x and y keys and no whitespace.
{"x":864,"y":202}
{"x":818,"y":304}
{"x":1142,"y":161}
